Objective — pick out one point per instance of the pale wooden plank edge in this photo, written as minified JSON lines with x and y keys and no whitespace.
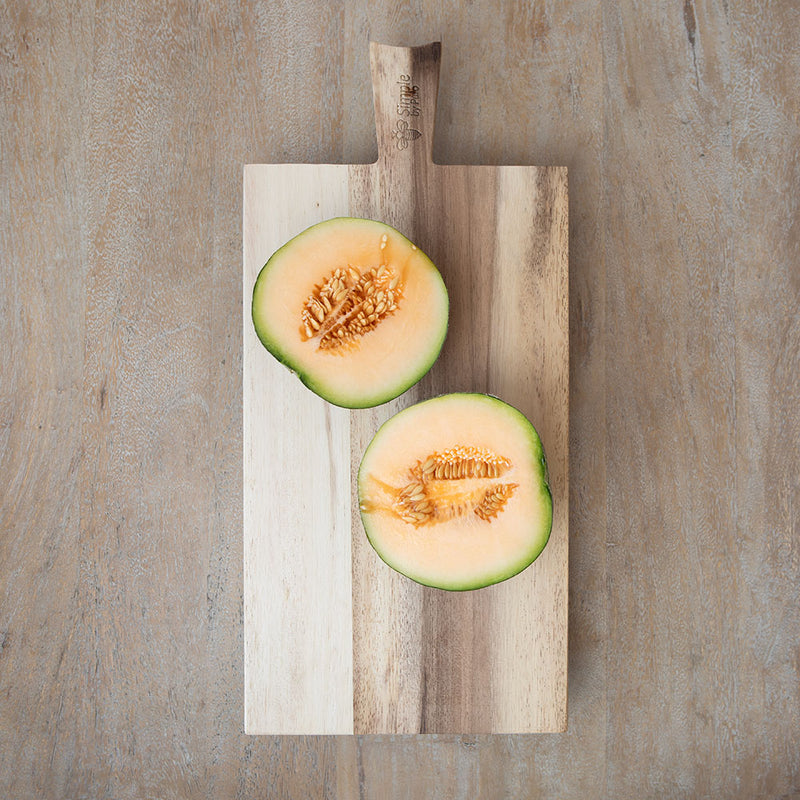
{"x":297,"y":560}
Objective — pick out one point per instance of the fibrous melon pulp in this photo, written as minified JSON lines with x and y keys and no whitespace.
{"x":453,"y":492}
{"x":354,"y":308}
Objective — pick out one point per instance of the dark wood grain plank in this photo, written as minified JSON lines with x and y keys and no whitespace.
{"x":43,"y":105}
{"x":141,"y":613}
{"x":388,"y":686}
{"x":764,"y":601}
{"x":537,"y":87}
{"x":147,"y":485}
{"x":671,"y":461}
{"x":425,"y":660}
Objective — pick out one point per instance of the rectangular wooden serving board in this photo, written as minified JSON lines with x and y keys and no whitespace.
{"x":336,"y":642}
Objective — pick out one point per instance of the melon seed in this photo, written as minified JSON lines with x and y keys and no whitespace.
{"x":434,"y":494}
{"x":348,"y":304}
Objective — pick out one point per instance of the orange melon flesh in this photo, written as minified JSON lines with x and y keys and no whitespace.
{"x":452,"y":546}
{"x":379,"y":364}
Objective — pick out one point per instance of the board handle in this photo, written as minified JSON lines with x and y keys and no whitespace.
{"x":405,"y":84}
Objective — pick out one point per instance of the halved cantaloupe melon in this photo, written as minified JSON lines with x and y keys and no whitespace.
{"x":354,"y":308}
{"x":453,"y":492}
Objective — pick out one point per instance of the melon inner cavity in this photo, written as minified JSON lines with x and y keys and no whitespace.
{"x":348,"y":304}
{"x":456,"y":482}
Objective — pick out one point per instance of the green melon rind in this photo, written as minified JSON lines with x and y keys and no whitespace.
{"x":270,"y":342}
{"x":540,"y":466}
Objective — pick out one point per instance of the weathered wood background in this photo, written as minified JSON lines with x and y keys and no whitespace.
{"x":123,"y":130}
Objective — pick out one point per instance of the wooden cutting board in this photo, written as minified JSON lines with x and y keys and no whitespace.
{"x":335,"y":641}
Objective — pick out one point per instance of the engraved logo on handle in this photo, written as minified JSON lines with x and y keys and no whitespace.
{"x":407,"y":106}
{"x":404,"y":134}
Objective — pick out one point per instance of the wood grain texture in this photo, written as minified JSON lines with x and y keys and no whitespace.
{"x":675,"y":264}
{"x":764,"y":603}
{"x":43,"y":246}
{"x":297,"y":564}
{"x":423,"y":660}
{"x":147,"y":700}
{"x":456,"y":671}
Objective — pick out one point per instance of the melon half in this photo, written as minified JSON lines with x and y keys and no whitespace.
{"x":354,"y":308}
{"x":453,"y":492}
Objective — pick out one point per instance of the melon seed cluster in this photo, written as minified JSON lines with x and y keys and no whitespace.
{"x":436,"y":491}
{"x":349,"y":304}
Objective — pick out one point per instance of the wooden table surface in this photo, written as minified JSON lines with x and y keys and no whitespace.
{"x":123,"y":131}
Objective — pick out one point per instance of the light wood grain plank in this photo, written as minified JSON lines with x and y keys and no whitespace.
{"x":297,"y":555}
{"x":528,"y":364}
